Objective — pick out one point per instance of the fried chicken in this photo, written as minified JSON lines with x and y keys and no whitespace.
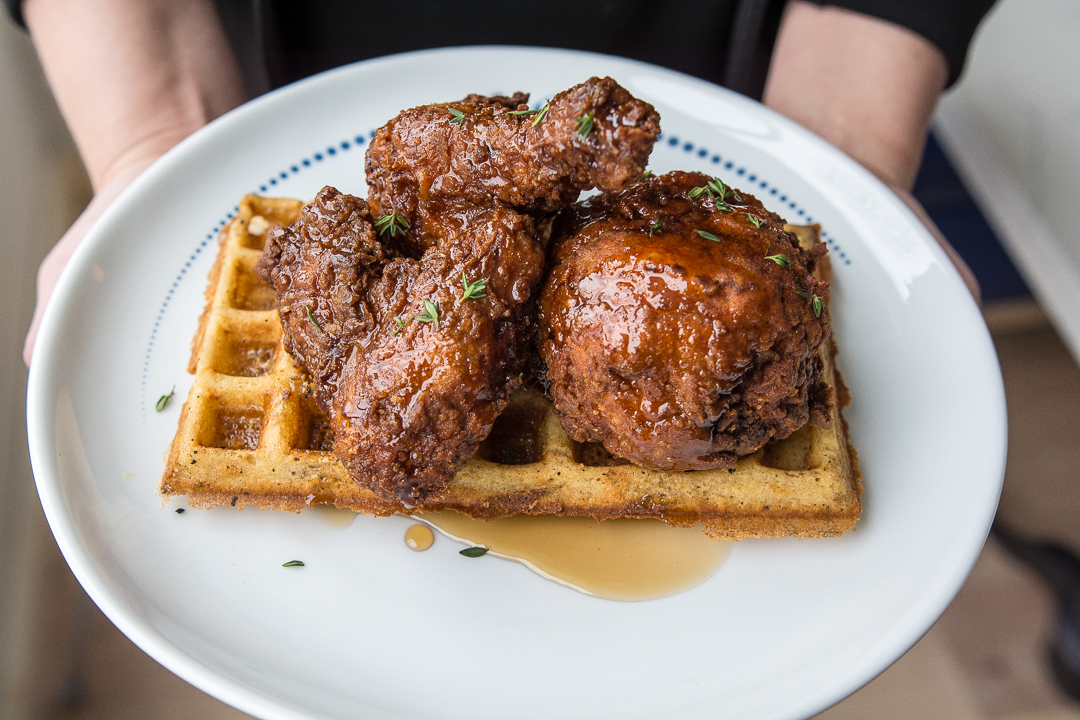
{"x":412,"y":315}
{"x":680,"y":324}
{"x":410,"y":373}
{"x":494,"y":151}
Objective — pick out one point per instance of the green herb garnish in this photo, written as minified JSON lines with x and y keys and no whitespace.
{"x":816,"y":303}
{"x":646,"y":174}
{"x":401,"y":323}
{"x":707,"y":235}
{"x":457,"y":117}
{"x":473,"y":552}
{"x":656,"y":227}
{"x":584,"y":124}
{"x":163,"y":401}
{"x":758,"y":222}
{"x":430,"y":314}
{"x":313,"y":320}
{"x":393,"y":222}
{"x":293,"y":563}
{"x":718,"y":191}
{"x":780,"y":260}
{"x":540,"y":113}
{"x":473,"y":290}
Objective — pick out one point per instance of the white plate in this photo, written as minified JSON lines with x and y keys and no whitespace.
{"x":371,"y":629}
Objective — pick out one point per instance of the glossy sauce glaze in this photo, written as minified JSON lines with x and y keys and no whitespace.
{"x":678,"y":325}
{"x":411,"y":365}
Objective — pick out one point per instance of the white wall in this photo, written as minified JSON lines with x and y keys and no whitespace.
{"x":1012,"y":128}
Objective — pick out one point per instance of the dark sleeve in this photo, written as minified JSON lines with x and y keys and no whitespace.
{"x":948,"y":24}
{"x":14,"y":8}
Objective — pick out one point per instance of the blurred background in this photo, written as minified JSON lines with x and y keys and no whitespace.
{"x":1001,"y":178}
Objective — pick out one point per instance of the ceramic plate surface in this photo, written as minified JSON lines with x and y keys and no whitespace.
{"x":371,"y":629}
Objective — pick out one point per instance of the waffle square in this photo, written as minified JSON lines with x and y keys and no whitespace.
{"x":250,"y":433}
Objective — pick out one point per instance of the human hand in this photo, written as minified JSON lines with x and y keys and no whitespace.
{"x":51,"y":267}
{"x":958,"y":262}
{"x":868,"y":87}
{"x":132,"y":78}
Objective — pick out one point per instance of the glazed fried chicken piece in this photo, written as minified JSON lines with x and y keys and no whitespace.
{"x":488,"y":151}
{"x":680,"y":324}
{"x":410,"y":373}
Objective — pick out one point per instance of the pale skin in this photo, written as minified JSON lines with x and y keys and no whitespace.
{"x":867,"y":86}
{"x":134,"y":77}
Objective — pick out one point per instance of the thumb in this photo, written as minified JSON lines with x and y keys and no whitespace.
{"x":53,"y":264}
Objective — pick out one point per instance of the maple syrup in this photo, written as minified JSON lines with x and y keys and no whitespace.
{"x":419,"y":537}
{"x":621,"y":559}
{"x":334,"y":516}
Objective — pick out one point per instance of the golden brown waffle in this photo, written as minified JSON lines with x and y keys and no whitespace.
{"x":250,"y":433}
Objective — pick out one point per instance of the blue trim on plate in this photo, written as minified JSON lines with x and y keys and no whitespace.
{"x":753,"y":179}
{"x":293,"y":169}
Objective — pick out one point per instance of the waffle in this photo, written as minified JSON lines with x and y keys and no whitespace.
{"x":251,"y":433}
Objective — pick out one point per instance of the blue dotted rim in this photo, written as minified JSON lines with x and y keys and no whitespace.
{"x":333,"y":151}
{"x":752,"y":178}
{"x":328,"y":153}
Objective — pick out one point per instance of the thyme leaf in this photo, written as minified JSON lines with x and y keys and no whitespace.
{"x":646,"y":174}
{"x":392,"y":222}
{"x":313,"y":320}
{"x":781,"y":260}
{"x":473,"y":552}
{"x":707,"y":235}
{"x":758,"y":222}
{"x":816,"y":303}
{"x":293,"y":563}
{"x":656,"y":227}
{"x":585,"y":124}
{"x":718,"y":191}
{"x":542,"y":114}
{"x":457,"y":117}
{"x":401,"y":323}
{"x":473,"y":290}
{"x":163,"y":401}
{"x":430,"y":314}
{"x":719,"y":188}
{"x":539,"y":113}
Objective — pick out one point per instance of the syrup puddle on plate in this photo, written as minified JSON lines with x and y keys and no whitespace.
{"x":620,"y":559}
{"x":334,"y":516}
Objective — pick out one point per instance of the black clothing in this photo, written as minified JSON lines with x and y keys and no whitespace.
{"x":687,"y":35}
{"x":728,"y":42}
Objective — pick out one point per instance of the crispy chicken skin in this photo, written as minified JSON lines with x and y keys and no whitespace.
{"x":411,"y":373}
{"x":674,"y":350}
{"x":408,"y":400}
{"x":593,"y":135}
